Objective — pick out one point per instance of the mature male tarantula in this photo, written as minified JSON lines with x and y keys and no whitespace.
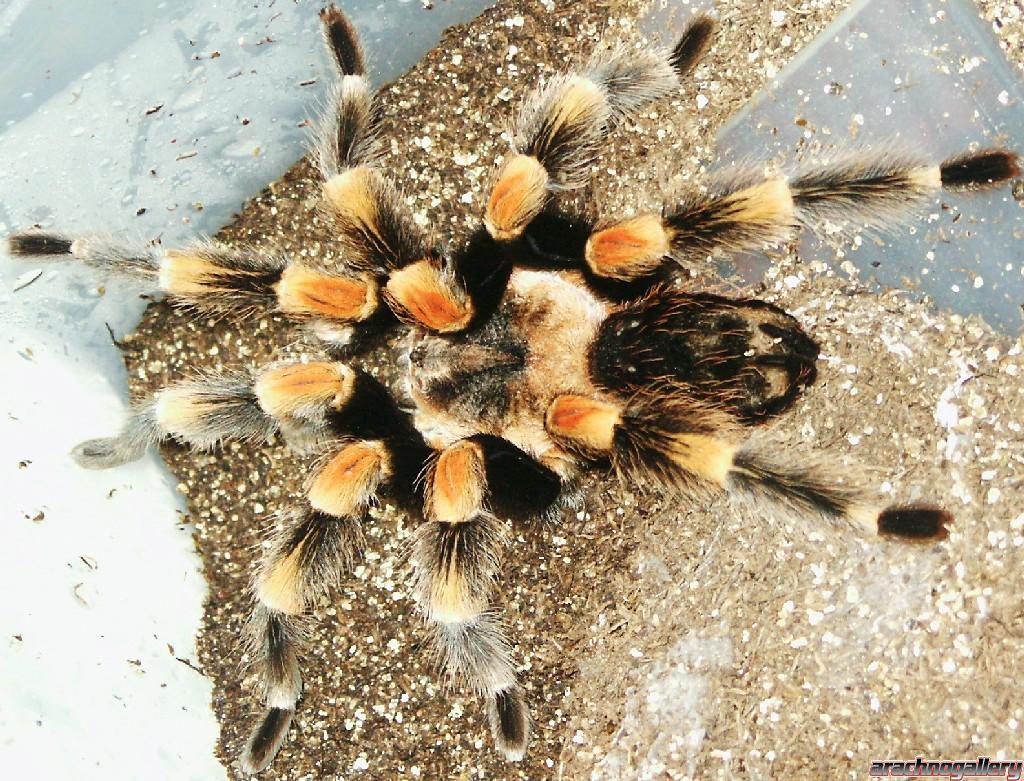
{"x":543,"y":344}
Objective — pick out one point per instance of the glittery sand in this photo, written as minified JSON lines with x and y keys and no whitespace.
{"x":655,"y":640}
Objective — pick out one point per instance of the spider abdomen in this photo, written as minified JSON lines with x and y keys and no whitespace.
{"x":745,"y":356}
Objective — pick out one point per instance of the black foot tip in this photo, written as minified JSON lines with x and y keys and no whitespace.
{"x":510,"y":723}
{"x":37,"y":244}
{"x":343,"y":41}
{"x":266,"y":740}
{"x":693,"y":45}
{"x":987,"y":168}
{"x":914,"y":523}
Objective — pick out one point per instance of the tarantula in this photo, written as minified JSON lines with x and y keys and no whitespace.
{"x":544,"y":343}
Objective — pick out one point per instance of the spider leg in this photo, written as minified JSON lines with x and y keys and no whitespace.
{"x":684,"y":445}
{"x":562,"y":124}
{"x":305,"y":558}
{"x":421,"y":284}
{"x":201,"y":412}
{"x":456,"y":556}
{"x":313,"y":402}
{"x":384,"y":253}
{"x":742,"y":355}
{"x":556,"y":137}
{"x":215,"y":279}
{"x":320,"y":537}
{"x":309,"y":404}
{"x":871,"y":189}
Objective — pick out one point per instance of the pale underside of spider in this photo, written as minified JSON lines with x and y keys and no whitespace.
{"x":545,"y":343}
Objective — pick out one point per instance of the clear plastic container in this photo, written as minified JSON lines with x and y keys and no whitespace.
{"x":928,"y":77}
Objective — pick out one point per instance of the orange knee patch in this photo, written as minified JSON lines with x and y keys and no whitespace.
{"x":286,"y":390}
{"x":517,"y":197}
{"x":583,"y":421}
{"x":458,"y":483}
{"x":418,"y":293}
{"x":628,"y":249}
{"x":349,"y":479}
{"x":303,"y":291}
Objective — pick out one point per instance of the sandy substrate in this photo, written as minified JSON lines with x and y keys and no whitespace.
{"x":655,"y":640}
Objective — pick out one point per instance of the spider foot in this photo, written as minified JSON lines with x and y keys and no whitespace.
{"x":510,"y":722}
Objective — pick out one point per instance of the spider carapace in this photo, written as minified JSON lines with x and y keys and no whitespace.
{"x":544,"y":343}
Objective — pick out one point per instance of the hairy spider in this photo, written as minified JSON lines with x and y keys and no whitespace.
{"x":544,"y":343}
